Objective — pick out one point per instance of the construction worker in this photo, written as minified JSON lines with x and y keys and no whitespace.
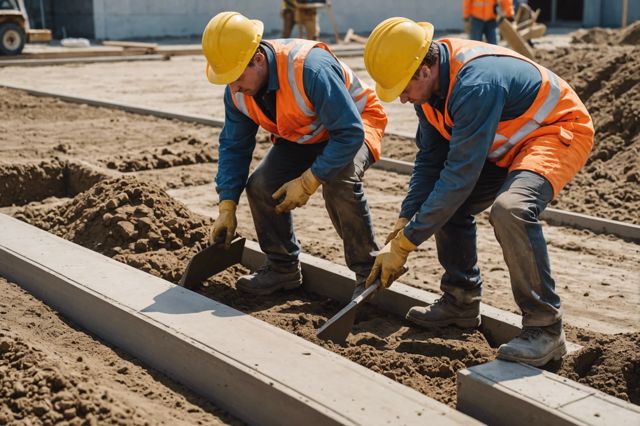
{"x":495,"y":129}
{"x":326,"y":128}
{"x":288,"y":17}
{"x":304,"y":13}
{"x":480,"y":18}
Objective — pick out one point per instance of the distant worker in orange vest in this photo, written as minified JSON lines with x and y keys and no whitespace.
{"x":326,"y":130}
{"x":480,"y":18}
{"x":495,"y":130}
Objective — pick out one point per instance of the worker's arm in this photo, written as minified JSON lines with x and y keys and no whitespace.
{"x":507,"y":8}
{"x":476,"y":112}
{"x":430,"y":158}
{"x":237,"y":141}
{"x":325,"y":88}
{"x":466,"y":9}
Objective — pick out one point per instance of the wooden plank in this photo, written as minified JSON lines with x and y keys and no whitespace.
{"x":128,"y":44}
{"x":513,"y":39}
{"x":256,"y":371}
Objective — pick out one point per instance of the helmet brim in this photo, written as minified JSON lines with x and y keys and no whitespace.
{"x":233,"y":74}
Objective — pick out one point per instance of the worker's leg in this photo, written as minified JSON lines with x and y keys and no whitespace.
{"x":287,"y":22}
{"x":477,"y":26}
{"x":284,"y":161}
{"x":491,"y":31}
{"x":461,"y":283}
{"x":514,"y":217}
{"x":349,"y":212}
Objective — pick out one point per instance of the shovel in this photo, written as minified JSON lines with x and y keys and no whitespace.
{"x":339,"y":326}
{"x":210,"y":261}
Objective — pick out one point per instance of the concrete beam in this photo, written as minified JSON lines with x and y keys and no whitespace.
{"x":337,"y":282}
{"x":258,"y":372}
{"x":506,"y":393}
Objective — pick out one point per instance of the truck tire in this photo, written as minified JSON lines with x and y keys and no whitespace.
{"x":12,"y":38}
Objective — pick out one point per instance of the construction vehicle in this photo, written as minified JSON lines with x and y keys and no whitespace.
{"x":15,"y":29}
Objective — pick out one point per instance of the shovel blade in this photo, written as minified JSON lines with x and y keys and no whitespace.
{"x":210,"y":261}
{"x":339,"y":326}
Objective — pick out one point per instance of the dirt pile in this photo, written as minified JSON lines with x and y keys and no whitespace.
{"x":24,"y":182}
{"x":610,"y":364}
{"x":179,"y":151}
{"x":33,"y":390}
{"x":607,"y":81}
{"x":627,"y":36}
{"x":122,"y":215}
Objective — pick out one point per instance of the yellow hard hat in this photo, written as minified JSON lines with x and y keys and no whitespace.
{"x":393,"y":53}
{"x":228,"y":42}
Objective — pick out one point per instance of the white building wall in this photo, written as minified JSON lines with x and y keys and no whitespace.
{"x":123,"y":19}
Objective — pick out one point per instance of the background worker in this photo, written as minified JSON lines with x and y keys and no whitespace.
{"x":495,"y":129}
{"x":480,"y":18}
{"x":304,"y":13}
{"x":326,"y":128}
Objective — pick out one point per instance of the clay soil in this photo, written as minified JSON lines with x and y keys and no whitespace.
{"x":139,"y":189}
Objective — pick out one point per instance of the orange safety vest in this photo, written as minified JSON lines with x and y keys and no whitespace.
{"x":296,"y":120}
{"x":535,"y":141}
{"x":486,"y":9}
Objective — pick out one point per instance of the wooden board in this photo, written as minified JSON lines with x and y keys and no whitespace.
{"x":514,"y":40}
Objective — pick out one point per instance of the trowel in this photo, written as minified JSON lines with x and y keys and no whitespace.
{"x":339,"y":326}
{"x":210,"y":261}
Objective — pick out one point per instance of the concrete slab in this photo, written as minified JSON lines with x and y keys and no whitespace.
{"x":506,"y":393}
{"x":256,"y":371}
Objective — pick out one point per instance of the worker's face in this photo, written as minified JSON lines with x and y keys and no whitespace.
{"x":420,"y":87}
{"x":253,"y":78}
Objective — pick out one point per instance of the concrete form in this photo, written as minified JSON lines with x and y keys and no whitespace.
{"x":256,"y":371}
{"x":506,"y":393}
{"x":336,"y":282}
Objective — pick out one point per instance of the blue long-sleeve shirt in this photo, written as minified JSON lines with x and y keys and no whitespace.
{"x":487,"y":90}
{"x":325,"y":88}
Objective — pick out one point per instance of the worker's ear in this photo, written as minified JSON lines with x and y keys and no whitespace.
{"x":425,"y":72}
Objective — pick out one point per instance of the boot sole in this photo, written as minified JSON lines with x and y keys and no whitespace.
{"x":462,"y":323}
{"x":287,"y":285}
{"x":555,"y":355}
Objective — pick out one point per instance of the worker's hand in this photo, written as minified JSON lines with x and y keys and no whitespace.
{"x":467,"y":25}
{"x":400,"y":224}
{"x":510,"y":19}
{"x":389,"y":263}
{"x":224,"y":228}
{"x":296,"y":192}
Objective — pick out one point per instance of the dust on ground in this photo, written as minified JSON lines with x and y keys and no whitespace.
{"x":426,"y":360}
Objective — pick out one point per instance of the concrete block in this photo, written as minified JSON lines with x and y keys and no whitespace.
{"x":258,"y":372}
{"x":506,"y":393}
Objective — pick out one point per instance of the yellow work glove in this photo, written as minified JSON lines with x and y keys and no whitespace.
{"x":224,"y":228}
{"x":296,"y":192}
{"x":389,"y":263}
{"x":400,"y":224}
{"x":467,"y":25}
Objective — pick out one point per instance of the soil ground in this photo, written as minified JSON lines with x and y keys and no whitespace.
{"x":149,"y":210}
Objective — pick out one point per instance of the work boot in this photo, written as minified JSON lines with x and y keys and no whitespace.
{"x":270,"y":278}
{"x":534,"y":346}
{"x":444,"y":312}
